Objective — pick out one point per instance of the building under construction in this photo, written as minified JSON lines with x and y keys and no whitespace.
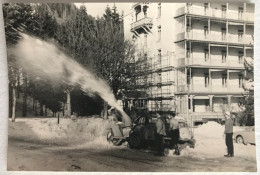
{"x":191,"y":56}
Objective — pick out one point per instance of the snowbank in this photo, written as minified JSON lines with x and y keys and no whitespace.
{"x":210,"y":143}
{"x":81,"y":131}
{"x":91,"y":133}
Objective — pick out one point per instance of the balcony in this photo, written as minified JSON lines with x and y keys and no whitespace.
{"x":215,"y":13}
{"x":201,"y":88}
{"x":143,"y":25}
{"x":200,"y":116}
{"x":200,"y":61}
{"x":197,"y":10}
{"x":216,"y":37}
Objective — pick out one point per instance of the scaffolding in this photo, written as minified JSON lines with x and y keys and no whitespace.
{"x":155,"y":75}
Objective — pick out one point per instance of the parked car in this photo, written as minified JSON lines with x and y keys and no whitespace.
{"x":246,"y":136}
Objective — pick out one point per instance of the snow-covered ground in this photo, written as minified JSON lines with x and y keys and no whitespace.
{"x":90,"y":134}
{"x":210,"y":143}
{"x":83,"y":131}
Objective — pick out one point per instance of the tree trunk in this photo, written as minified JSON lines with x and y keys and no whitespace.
{"x":18,"y":87}
{"x":14,"y":104}
{"x":105,"y":110}
{"x":63,"y":111}
{"x":68,"y":103}
{"x":45,"y":110}
{"x":36,"y":108}
{"x":10,"y":101}
{"x":25,"y":97}
{"x":33,"y":102}
{"x":41,"y":109}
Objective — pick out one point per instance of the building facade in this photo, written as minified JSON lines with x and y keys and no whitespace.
{"x":205,"y":45}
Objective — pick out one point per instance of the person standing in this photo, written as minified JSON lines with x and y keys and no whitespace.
{"x":174,"y":134}
{"x":229,"y":134}
{"x":160,"y":133}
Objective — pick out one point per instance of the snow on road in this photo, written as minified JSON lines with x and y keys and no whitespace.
{"x":89,"y":134}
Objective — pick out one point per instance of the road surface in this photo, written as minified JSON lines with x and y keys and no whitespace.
{"x":37,"y":156}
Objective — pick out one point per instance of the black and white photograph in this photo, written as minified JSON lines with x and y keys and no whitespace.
{"x":131,"y":86}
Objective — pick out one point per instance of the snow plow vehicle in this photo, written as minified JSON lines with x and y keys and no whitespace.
{"x":142,"y":133}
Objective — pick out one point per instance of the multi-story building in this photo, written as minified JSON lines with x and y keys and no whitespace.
{"x":208,"y":45}
{"x":152,"y":30}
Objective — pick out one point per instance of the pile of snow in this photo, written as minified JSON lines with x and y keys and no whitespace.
{"x":81,"y":131}
{"x":210,"y":143}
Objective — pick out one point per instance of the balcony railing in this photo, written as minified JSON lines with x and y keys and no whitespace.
{"x":217,"y":13}
{"x":216,"y":37}
{"x":148,"y":22}
{"x":202,"y":61}
{"x":201,"y":88}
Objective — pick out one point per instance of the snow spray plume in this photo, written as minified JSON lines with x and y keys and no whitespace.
{"x":35,"y":54}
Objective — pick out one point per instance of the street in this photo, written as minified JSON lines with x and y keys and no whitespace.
{"x":37,"y":156}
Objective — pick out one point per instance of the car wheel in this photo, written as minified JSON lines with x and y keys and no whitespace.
{"x":240,"y":140}
{"x":110,"y":139}
{"x":109,"y":136}
{"x":135,"y":140}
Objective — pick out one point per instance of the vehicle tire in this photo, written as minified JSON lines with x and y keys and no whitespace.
{"x":109,"y":138}
{"x":109,"y":135}
{"x":240,"y":140}
{"x":135,"y":140}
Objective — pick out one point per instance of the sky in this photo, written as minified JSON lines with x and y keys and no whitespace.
{"x":98,"y":9}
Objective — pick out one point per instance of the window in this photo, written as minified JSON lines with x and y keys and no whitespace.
{"x":240,"y":35}
{"x":189,"y":75}
{"x":240,"y":12}
{"x":145,"y":10}
{"x":206,"y":8}
{"x":159,"y":77}
{"x":224,"y":56}
{"x":223,"y":33}
{"x":145,"y":40}
{"x":206,"y":75}
{"x":159,"y":56}
{"x":206,"y":54}
{"x":240,"y":56}
{"x":240,"y":79}
{"x":224,"y":10}
{"x":224,"y":80}
{"x":189,"y":6}
{"x":142,"y":103}
{"x":145,"y":56}
{"x":188,"y":25}
{"x":188,"y":51}
{"x":159,"y":33}
{"x":207,"y":105}
{"x":224,"y":101}
{"x":206,"y":31}
{"x":159,"y":9}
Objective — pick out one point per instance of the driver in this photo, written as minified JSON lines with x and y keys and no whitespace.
{"x":160,"y":133}
{"x":174,"y":133}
